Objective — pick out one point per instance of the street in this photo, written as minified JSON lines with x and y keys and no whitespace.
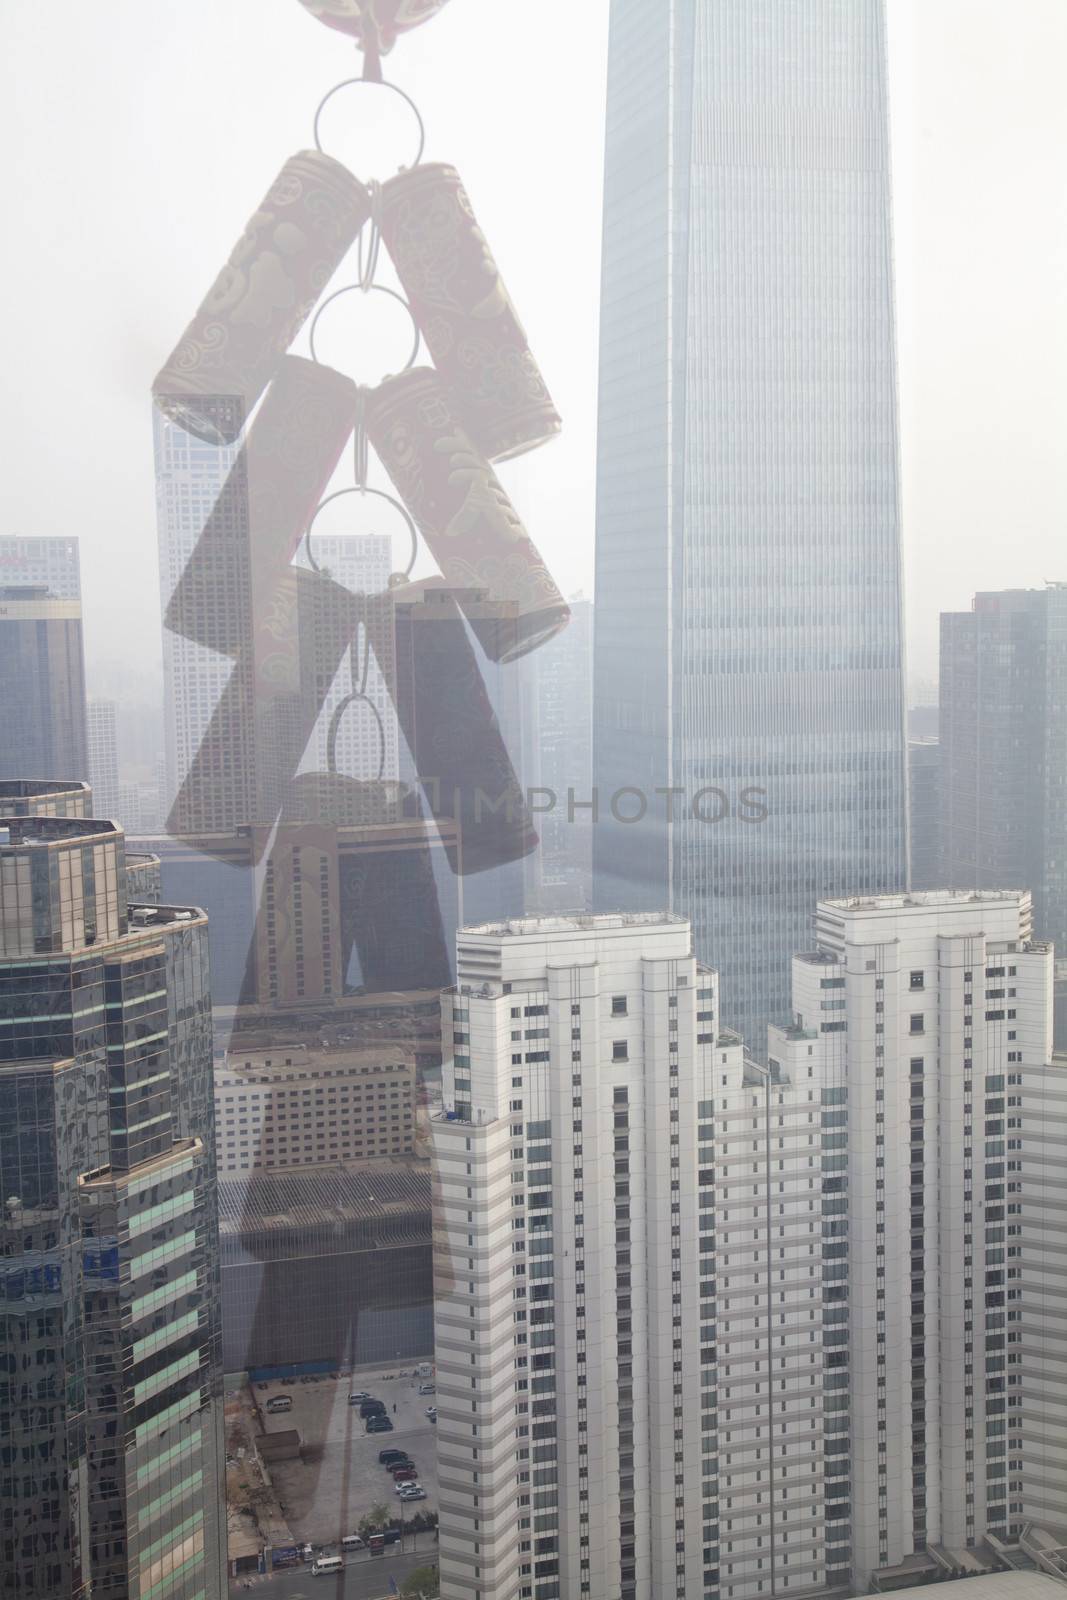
{"x":363,"y":1579}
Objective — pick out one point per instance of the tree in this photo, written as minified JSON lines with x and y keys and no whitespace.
{"x":423,"y":1582}
{"x":375,"y":1520}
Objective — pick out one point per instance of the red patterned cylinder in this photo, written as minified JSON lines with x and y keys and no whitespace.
{"x":257,"y":305}
{"x":375,"y":23}
{"x":473,"y":531}
{"x":460,"y":303}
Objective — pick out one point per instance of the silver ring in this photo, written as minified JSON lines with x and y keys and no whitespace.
{"x":382,"y":83}
{"x":381,"y":495}
{"x":374,"y":288}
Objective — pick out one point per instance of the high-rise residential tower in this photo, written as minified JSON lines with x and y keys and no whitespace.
{"x":709,"y":1329}
{"x":925,"y":1022}
{"x":748,"y":595}
{"x":1004,"y":755}
{"x":102,"y":722}
{"x":110,"y":1340}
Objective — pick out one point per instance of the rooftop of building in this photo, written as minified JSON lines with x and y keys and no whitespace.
{"x":40,"y":788}
{"x":335,"y":1193}
{"x":152,"y":916}
{"x":317,"y":1053}
{"x":991,"y":1586}
{"x":44,"y":832}
{"x":572,"y":922}
{"x":929,"y":899}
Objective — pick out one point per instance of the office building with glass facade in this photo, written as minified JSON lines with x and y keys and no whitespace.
{"x":110,"y":1339}
{"x":748,"y":603}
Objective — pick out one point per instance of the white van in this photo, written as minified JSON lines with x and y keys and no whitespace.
{"x":424,"y":1369}
{"x":427,"y":1388}
{"x":326,"y":1564}
{"x":351,"y":1541}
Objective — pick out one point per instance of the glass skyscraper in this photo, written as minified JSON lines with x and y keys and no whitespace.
{"x":111,"y":1465}
{"x":748,"y":565}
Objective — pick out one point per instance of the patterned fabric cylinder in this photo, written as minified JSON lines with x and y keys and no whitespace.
{"x":375,"y":23}
{"x":284,"y":259}
{"x":459,"y":301}
{"x":464,"y":514}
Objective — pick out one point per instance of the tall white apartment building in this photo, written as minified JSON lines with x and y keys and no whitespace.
{"x":927,"y":1019}
{"x":711,"y":1329}
{"x":631,"y":1361}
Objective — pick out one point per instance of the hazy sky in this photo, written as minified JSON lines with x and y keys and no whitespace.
{"x":141,"y":134}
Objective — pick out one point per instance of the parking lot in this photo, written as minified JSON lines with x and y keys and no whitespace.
{"x":327,"y":1493}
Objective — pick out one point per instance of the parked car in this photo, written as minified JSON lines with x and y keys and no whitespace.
{"x":431,"y":1412}
{"x":371,"y":1407}
{"x":427,"y":1388}
{"x":392,"y":1535}
{"x":387,"y":1457}
{"x":280,"y":1402}
{"x":405,"y":1475}
{"x":407,"y":1491}
{"x":307,"y":1551}
{"x":416,"y":1494}
{"x":379,"y":1425}
{"x":351,"y":1541}
{"x":397,"y":1466}
{"x":358,"y":1397}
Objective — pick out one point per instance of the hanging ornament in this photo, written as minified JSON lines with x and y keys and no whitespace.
{"x":463,"y":512}
{"x":375,"y":23}
{"x":451,"y":730}
{"x":464,"y":311}
{"x":285,"y":257}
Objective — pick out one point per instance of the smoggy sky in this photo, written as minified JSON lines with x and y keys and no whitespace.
{"x":141,"y":133}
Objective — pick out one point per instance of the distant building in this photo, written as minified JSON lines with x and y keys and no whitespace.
{"x":42,"y":727}
{"x":110,"y":1338}
{"x":102,"y":721}
{"x":294,"y":1105}
{"x":923,"y":722}
{"x":144,"y":878}
{"x":748,"y":594}
{"x":924,"y":799}
{"x":190,"y":476}
{"x":50,"y":563}
{"x":1004,"y":755}
{"x":557,"y":765}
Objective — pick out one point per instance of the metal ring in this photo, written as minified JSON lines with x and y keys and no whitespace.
{"x":335,"y":728}
{"x":381,"y":495}
{"x":374,"y":288}
{"x":382,"y":83}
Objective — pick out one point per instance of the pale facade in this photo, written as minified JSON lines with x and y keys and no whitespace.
{"x":291,"y":1107}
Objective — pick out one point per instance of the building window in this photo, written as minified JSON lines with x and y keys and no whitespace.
{"x":620,"y":1050}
